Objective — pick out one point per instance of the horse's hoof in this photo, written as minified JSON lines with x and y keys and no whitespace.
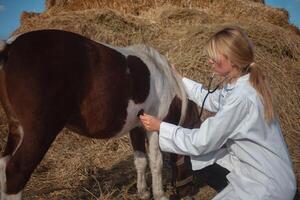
{"x":144,"y":195}
{"x":3,"y":196}
{"x":188,"y":198}
{"x":164,"y":198}
{"x":160,"y":197}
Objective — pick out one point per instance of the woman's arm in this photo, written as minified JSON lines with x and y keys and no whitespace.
{"x":213,"y":133}
{"x":197,"y":93}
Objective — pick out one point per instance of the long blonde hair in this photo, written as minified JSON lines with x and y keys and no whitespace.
{"x":235,"y":45}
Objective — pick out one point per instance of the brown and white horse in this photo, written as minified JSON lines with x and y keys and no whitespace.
{"x":52,"y":78}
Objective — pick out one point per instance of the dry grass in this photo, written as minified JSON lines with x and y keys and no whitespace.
{"x":228,"y":8}
{"x":81,"y":168}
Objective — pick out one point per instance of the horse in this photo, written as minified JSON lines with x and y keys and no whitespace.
{"x":51,"y":79}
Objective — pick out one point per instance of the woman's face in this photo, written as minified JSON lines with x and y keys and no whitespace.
{"x":222,"y":67}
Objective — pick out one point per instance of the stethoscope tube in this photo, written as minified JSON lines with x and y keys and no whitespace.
{"x":209,"y":92}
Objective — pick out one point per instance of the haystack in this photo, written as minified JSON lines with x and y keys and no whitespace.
{"x":81,"y":168}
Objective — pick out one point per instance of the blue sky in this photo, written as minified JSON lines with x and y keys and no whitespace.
{"x":10,"y":11}
{"x":293,"y":6}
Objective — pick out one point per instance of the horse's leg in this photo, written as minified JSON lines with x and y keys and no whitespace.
{"x":15,"y":137}
{"x":156,"y":164}
{"x":182,"y":177}
{"x":18,"y":163}
{"x":138,"y":137}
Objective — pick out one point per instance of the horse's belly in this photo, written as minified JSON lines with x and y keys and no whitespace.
{"x":106,"y":125}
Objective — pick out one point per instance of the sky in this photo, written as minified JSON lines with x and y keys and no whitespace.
{"x":293,"y":6}
{"x":10,"y":11}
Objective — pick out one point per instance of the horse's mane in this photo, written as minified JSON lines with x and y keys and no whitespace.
{"x":165,"y":68}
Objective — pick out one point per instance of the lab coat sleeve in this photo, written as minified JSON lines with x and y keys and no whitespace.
{"x":196,"y":93}
{"x":213,"y":133}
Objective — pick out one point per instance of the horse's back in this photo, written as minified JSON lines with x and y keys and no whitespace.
{"x":47,"y":57}
{"x":45,"y":68}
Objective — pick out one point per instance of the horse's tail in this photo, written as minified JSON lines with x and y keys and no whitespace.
{"x":4,"y":100}
{"x":184,"y":99}
{"x":3,"y":53}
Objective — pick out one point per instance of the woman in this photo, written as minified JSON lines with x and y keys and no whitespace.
{"x":244,"y":136}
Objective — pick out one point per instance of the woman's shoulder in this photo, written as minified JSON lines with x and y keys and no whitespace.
{"x":245,"y":92}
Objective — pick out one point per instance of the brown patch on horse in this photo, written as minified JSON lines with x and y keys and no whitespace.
{"x":110,"y":84}
{"x":102,"y":112}
{"x":138,"y":139}
{"x":140,"y":79}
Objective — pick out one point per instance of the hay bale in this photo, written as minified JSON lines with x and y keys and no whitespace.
{"x":240,"y":9}
{"x":132,"y":6}
{"x":101,"y":25}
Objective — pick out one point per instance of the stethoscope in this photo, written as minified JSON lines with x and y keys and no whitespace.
{"x":209,"y":91}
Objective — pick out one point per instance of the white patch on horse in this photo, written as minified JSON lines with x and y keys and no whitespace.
{"x":131,"y":119}
{"x":21,"y":132}
{"x":12,"y":39}
{"x":3,"y":162}
{"x":140,"y":162}
{"x":14,"y":196}
{"x":156,"y":164}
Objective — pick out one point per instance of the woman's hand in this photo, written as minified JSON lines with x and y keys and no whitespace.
{"x":150,"y":123}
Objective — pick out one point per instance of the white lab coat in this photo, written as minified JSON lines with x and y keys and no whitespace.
{"x":255,"y":152}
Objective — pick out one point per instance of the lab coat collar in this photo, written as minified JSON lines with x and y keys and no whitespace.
{"x":230,"y":86}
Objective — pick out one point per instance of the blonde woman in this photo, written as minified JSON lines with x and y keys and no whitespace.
{"x":244,"y":136}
